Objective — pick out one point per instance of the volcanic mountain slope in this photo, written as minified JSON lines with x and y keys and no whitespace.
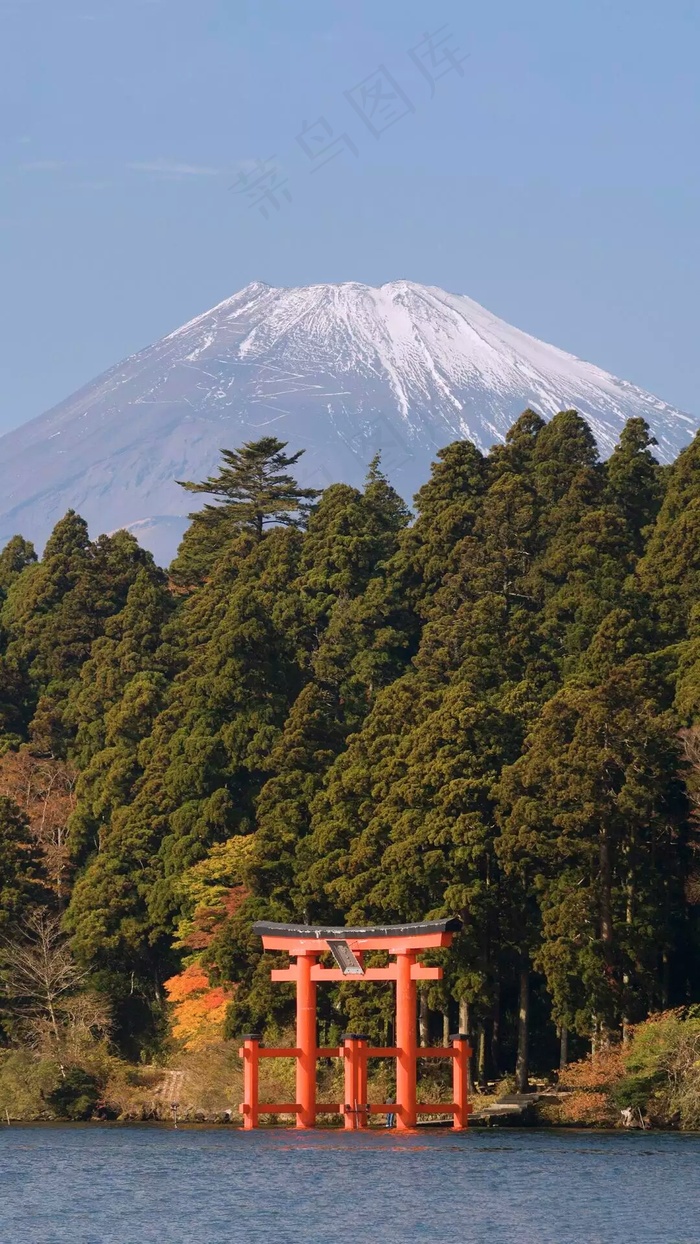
{"x":340,"y":370}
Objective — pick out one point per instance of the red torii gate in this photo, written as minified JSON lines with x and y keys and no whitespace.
{"x":306,"y":944}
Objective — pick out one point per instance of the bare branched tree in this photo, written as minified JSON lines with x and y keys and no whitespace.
{"x":42,"y":983}
{"x":38,"y":968}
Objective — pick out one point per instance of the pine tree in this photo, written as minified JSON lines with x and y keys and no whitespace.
{"x":252,"y":490}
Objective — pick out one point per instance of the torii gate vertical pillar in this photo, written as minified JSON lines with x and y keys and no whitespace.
{"x":306,"y":1040}
{"x":406,"y":1042}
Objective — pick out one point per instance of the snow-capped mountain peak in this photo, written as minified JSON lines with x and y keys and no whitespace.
{"x":340,"y":370}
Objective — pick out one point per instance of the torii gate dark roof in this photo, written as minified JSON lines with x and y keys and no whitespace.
{"x":323,"y":931}
{"x":420,"y":936}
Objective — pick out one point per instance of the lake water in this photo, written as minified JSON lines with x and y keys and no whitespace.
{"x":134,"y":1185}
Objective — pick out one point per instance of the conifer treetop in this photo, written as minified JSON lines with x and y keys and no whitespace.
{"x":16,"y":555}
{"x":254,"y":488}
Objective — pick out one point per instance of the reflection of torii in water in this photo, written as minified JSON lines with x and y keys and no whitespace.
{"x":306,"y":944}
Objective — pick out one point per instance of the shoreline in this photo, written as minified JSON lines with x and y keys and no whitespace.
{"x":200,"y":1125}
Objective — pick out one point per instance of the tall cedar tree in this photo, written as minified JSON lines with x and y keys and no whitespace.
{"x":669,"y":571}
{"x":17,"y":554}
{"x":122,"y":688}
{"x":593,"y":818}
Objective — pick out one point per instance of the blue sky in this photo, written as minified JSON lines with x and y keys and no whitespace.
{"x":552,"y":174}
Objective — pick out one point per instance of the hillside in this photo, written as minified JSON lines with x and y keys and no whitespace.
{"x":331,"y":713}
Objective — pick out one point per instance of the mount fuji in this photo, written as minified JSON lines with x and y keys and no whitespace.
{"x":341,"y":371}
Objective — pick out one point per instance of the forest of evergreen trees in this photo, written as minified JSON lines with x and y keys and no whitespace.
{"x":331,"y":709}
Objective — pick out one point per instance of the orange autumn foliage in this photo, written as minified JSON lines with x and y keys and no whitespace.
{"x":199,"y":1008}
{"x":592,"y":1081}
{"x":199,"y":931}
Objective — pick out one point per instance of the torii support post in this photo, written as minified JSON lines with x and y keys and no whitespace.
{"x":306,"y":1040}
{"x":406,"y":1043}
{"x":460,"y":1079}
{"x":305,"y":944}
{"x":355,"y":1104}
{"x":250,"y":1055}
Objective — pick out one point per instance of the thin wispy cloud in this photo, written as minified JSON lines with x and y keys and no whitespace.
{"x":173,"y":168}
{"x":44,"y":166}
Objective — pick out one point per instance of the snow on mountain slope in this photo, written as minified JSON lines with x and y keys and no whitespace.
{"x":340,"y":370}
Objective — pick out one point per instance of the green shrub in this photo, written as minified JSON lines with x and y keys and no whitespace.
{"x":75,"y":1096}
{"x":636,"y":1091}
{"x":662,"y":1068}
{"x":25,"y":1079}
